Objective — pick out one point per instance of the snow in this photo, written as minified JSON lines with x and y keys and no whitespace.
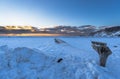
{"x":105,"y":34}
{"x":116,"y":33}
{"x":36,"y":58}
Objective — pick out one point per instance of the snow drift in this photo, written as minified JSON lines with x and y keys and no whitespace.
{"x":28,"y":63}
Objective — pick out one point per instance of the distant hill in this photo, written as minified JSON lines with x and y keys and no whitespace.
{"x":17,"y":29}
{"x":85,"y":30}
{"x":107,"y":32}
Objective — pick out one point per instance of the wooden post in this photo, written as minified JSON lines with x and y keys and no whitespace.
{"x":103,"y":51}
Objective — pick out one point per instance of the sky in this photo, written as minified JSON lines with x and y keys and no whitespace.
{"x":46,"y":13}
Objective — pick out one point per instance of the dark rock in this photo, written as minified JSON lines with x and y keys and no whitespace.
{"x":115,"y":46}
{"x":59,"y":60}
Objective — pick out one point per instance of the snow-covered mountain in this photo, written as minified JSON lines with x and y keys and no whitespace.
{"x":89,"y":30}
{"x":85,"y":30}
{"x":113,"y":31}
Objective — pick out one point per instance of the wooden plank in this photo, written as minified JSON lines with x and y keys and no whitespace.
{"x":59,"y":41}
{"x":99,"y":43}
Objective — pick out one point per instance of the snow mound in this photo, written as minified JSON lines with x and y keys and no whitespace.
{"x":26,"y":63}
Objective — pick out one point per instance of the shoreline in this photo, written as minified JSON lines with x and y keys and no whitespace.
{"x":39,"y":34}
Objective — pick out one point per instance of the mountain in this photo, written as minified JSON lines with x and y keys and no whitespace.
{"x":85,"y":30}
{"x":17,"y":29}
{"x":107,"y":32}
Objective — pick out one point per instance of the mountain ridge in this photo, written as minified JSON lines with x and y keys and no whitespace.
{"x":85,"y":30}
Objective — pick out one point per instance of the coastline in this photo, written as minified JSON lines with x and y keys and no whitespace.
{"x":38,"y":34}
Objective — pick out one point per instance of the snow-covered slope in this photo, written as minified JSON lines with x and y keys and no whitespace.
{"x":37,"y":58}
{"x":105,"y":34}
{"x":113,"y":31}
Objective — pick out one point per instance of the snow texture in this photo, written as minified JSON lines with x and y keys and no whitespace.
{"x":37,"y":58}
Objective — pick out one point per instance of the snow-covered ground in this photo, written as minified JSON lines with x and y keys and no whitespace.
{"x":37,"y":58}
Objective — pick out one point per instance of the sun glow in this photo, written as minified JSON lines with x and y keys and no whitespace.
{"x":19,"y":27}
{"x":17,"y":17}
{"x":12,"y":14}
